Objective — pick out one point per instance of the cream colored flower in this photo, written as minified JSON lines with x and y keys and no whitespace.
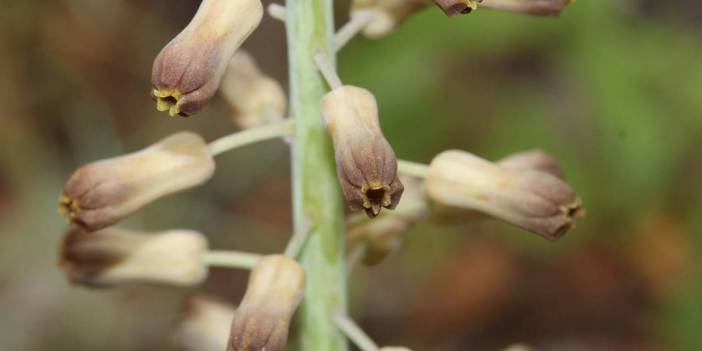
{"x":101,"y":193}
{"x":187,"y":72}
{"x":387,"y":15}
{"x":365,"y":162}
{"x":204,"y":325}
{"x":116,"y":256}
{"x":262,"y":320}
{"x":533,"y":200}
{"x":256,"y":98}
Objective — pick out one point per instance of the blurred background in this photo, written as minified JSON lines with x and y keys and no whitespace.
{"x":613,"y":89}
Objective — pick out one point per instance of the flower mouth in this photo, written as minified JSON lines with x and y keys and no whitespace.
{"x":375,"y":196}
{"x":69,"y":207}
{"x":169,"y":100}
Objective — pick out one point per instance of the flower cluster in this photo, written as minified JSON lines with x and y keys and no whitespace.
{"x":526,"y":189}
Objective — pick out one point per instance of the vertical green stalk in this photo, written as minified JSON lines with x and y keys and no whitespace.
{"x":317,"y":202}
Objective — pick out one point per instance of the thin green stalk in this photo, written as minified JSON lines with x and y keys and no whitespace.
{"x":317,"y":202}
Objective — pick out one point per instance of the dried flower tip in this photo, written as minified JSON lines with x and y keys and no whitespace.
{"x":535,"y":160}
{"x":387,"y":14}
{"x":115,"y":256}
{"x":533,"y":200}
{"x":365,"y":162}
{"x":188,"y":71}
{"x":383,"y":235}
{"x":262,"y":320}
{"x":456,"y":7}
{"x":204,"y":325}
{"x":101,"y":193}
{"x":528,"y":7}
{"x":256,"y":98}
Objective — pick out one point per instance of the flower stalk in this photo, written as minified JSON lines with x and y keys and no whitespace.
{"x":317,"y":201}
{"x":250,"y":136}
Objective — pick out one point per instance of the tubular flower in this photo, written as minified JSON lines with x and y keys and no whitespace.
{"x":528,"y":7}
{"x":533,"y":200}
{"x":365,"y":162}
{"x":188,"y":70}
{"x":204,"y":325}
{"x":256,"y":98}
{"x":262,"y":320}
{"x":115,"y":256}
{"x":535,"y":160}
{"x":387,"y":14}
{"x":101,"y":193}
{"x":383,"y":235}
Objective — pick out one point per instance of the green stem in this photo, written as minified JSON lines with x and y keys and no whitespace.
{"x":230,"y":259}
{"x":250,"y":136}
{"x":317,"y":202}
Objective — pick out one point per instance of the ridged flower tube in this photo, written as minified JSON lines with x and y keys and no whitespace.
{"x":117,"y":256}
{"x":365,"y":162}
{"x":262,"y":320}
{"x":188,"y":70}
{"x":102,"y":193}
{"x":533,"y":200}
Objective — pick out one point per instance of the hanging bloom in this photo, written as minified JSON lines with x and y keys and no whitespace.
{"x":101,"y":193}
{"x":383,"y":235}
{"x":204,"y":325}
{"x":116,"y":256}
{"x":387,"y":15}
{"x":365,"y":162}
{"x":263,"y":318}
{"x":535,"y":160}
{"x":187,"y":72}
{"x":256,"y":98}
{"x":533,"y":200}
{"x":528,"y":7}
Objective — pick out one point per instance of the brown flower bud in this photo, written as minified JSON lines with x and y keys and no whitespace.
{"x":115,"y":256}
{"x":528,"y":7}
{"x":533,"y":200}
{"x":387,"y":14}
{"x":256,"y":98}
{"x":204,"y":325}
{"x":365,"y":162}
{"x":101,"y":193}
{"x":383,"y":235}
{"x":535,"y":160}
{"x":187,"y":72}
{"x":455,"y":7}
{"x":262,"y":320}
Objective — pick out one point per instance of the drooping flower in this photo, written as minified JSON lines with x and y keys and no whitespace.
{"x":365,"y":162}
{"x":103,"y":192}
{"x":187,"y":72}
{"x":262,"y":320}
{"x":115,"y":256}
{"x":533,"y":200}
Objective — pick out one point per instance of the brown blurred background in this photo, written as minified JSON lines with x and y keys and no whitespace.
{"x":612,"y":88}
